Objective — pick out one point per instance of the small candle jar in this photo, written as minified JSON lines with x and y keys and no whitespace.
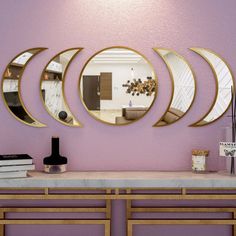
{"x":199,"y":160}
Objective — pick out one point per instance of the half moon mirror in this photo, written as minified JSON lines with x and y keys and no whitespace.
{"x":52,"y":87}
{"x":224,"y":84}
{"x":183,"y":86}
{"x":118,"y":86}
{"x":11,"y":87}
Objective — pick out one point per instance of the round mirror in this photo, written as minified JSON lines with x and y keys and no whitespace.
{"x":118,"y":86}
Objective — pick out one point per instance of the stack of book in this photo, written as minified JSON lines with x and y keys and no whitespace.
{"x":15,"y":166}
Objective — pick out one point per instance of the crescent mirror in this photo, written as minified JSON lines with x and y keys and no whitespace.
{"x":224,"y":82}
{"x":52,"y":87}
{"x":118,"y":85}
{"x":11,"y":91}
{"x":183,"y":86}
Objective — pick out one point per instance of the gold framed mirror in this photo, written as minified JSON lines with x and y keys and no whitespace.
{"x":52,"y":87}
{"x":11,"y":87}
{"x":118,"y":85}
{"x":224,"y":82}
{"x":183,"y":86}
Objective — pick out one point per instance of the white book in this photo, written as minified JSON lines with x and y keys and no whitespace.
{"x":16,"y":168}
{"x":15,"y":159}
{"x":13,"y":174}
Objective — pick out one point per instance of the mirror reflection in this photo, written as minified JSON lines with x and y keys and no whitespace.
{"x":183,"y":86}
{"x":52,"y":83}
{"x":118,"y":86}
{"x":11,"y":87}
{"x":224,"y":81}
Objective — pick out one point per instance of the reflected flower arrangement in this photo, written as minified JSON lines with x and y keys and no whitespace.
{"x":137,"y":86}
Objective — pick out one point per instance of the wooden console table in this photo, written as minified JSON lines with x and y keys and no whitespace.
{"x":124,"y":185}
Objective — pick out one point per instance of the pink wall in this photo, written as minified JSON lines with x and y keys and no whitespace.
{"x":96,"y":24}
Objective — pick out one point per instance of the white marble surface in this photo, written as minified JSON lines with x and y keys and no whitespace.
{"x":123,"y":179}
{"x":53,"y":96}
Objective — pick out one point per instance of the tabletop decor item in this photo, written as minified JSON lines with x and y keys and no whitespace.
{"x":15,"y":165}
{"x":199,"y":160}
{"x":228,"y":149}
{"x":55,"y":163}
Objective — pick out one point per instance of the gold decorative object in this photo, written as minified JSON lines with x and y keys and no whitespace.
{"x":137,"y":86}
{"x":182,"y":94}
{"x":197,"y":152}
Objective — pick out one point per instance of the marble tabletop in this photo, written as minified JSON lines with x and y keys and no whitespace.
{"x":123,"y":179}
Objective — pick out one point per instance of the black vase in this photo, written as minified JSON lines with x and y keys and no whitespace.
{"x":55,"y":163}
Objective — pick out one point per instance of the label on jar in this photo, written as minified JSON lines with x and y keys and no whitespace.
{"x":198,"y":163}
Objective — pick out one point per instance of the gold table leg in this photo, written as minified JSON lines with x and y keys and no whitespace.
{"x":128,"y":212}
{"x":108,"y":206}
{"x":234,"y":226}
{"x":129,"y":228}
{"x":3,"y":221}
{"x":131,"y":223}
{"x":108,"y":228}
{"x":1,"y":225}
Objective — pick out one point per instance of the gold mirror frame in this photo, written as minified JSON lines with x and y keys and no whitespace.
{"x":77,"y":123}
{"x":216,"y":78}
{"x":170,"y":71}
{"x":38,"y":123}
{"x":155,"y":78}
